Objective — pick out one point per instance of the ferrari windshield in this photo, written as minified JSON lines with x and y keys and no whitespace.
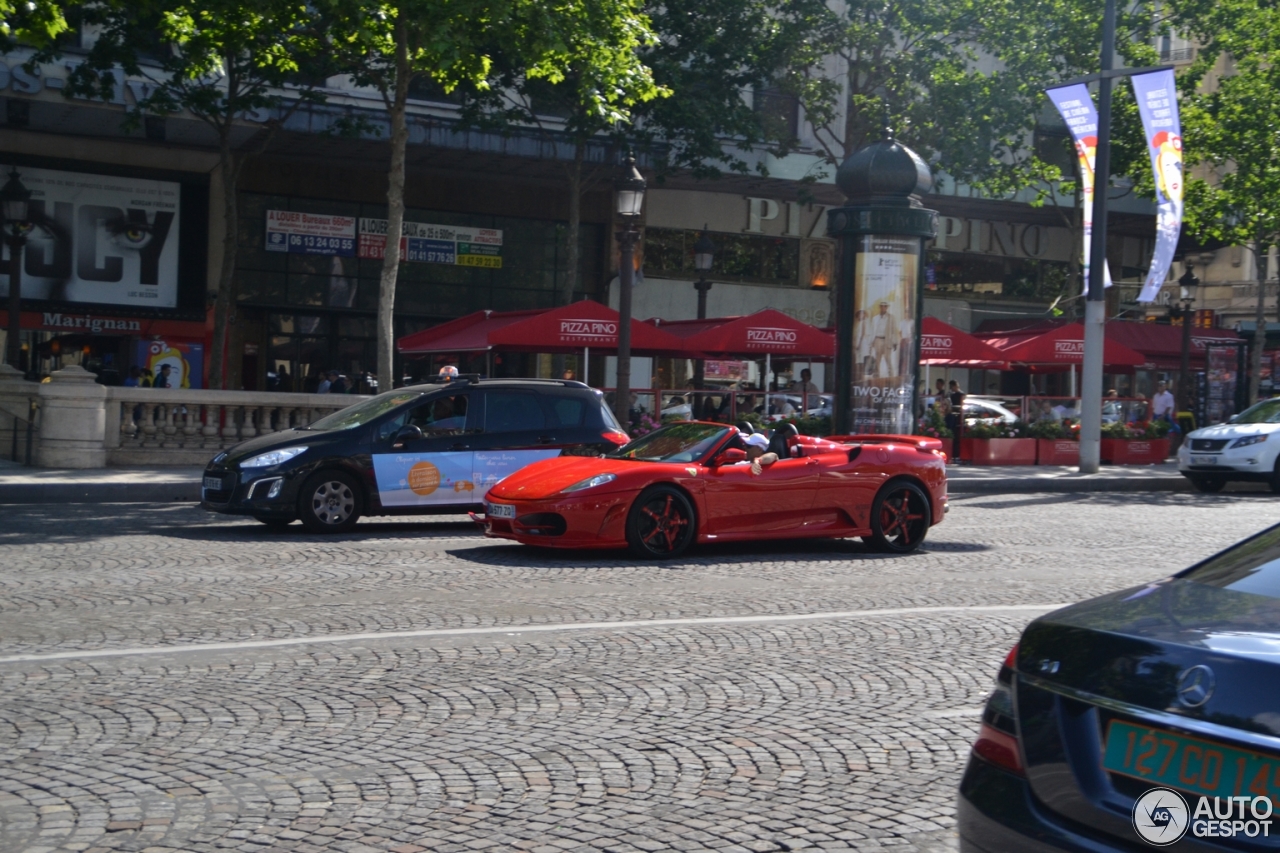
{"x":364,"y":411}
{"x":687,"y":442}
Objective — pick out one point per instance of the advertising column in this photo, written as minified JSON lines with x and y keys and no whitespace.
{"x":885,"y":339}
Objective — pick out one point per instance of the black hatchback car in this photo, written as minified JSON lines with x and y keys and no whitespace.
{"x":1148,"y":717}
{"x":420,"y":449}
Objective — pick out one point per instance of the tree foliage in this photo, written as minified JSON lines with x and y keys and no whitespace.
{"x":238,"y":67}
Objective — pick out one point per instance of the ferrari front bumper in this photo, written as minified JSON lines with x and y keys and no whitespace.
{"x":595,"y":521}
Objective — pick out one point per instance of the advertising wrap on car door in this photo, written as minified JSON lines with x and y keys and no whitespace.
{"x":427,"y":479}
{"x":100,"y":239}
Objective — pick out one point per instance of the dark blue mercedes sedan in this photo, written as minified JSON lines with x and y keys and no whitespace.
{"x":1145,"y":718}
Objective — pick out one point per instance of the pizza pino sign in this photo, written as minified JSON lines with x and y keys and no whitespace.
{"x":936,"y":344}
{"x":1068,"y":350}
{"x":588,"y":332}
{"x":771,"y":338}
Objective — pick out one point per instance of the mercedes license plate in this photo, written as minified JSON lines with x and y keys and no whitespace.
{"x":500,"y":510}
{"x":1204,"y":460}
{"x":1160,"y":757}
{"x":213,"y":484}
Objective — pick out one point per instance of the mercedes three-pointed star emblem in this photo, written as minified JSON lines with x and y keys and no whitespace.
{"x":1195,"y":686}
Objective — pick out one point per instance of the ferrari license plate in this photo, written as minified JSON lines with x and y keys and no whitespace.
{"x":500,"y":510}
{"x":1190,"y":764}
{"x":213,"y":484}
{"x":1204,"y":460}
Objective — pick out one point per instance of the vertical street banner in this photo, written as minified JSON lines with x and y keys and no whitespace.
{"x":885,"y":295}
{"x":1158,"y":106}
{"x":1077,"y":109}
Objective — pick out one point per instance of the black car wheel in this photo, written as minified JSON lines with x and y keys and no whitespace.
{"x":274,"y":523}
{"x":1212,"y":485}
{"x":899,"y":518}
{"x":661,"y":524}
{"x":329,"y":502}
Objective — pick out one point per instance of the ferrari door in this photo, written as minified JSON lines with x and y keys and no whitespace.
{"x":846,"y":487}
{"x":777,"y":499}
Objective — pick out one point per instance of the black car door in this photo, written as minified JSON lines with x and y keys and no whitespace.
{"x":431,"y":469}
{"x":514,"y":433}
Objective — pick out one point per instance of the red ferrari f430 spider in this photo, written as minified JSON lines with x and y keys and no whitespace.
{"x":694,"y":482}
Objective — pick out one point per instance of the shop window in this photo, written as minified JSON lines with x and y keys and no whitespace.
{"x":739,"y":257}
{"x":778,"y":112}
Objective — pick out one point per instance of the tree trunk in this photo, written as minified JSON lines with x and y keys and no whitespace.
{"x":575,"y":224}
{"x":395,"y":213}
{"x":230,"y":166}
{"x":1260,"y":317}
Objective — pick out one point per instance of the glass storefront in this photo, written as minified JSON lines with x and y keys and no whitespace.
{"x":302,"y":315}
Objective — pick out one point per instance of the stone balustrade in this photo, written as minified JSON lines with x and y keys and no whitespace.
{"x":82,"y":424}
{"x":187,"y":427}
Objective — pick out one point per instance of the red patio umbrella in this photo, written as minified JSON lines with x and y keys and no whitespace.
{"x":1061,"y":349}
{"x":943,"y":344}
{"x":569,"y":328}
{"x":765,"y":333}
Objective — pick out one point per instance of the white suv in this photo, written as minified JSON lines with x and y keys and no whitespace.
{"x":1245,"y":448}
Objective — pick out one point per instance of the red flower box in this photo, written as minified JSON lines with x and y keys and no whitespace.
{"x":1057,"y":451}
{"x":1002,"y":451}
{"x":1129,"y":451}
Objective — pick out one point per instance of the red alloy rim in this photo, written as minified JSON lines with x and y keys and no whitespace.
{"x":669,"y":525}
{"x":897,"y":519}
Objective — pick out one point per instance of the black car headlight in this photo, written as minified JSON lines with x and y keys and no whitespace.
{"x":274,"y":457}
{"x":1248,"y":440}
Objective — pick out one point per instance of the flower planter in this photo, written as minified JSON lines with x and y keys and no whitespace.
{"x":1057,"y":451}
{"x":1002,"y":451}
{"x":1141,"y":451}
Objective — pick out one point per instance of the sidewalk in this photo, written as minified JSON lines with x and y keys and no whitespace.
{"x":22,"y":485}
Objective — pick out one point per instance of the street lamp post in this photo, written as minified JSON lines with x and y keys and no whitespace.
{"x":1188,"y":284}
{"x":14,"y":203}
{"x":704,"y":256}
{"x":630,"y":201}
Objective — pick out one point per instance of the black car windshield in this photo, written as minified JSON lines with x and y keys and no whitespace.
{"x":1252,"y":566}
{"x":1266,"y":412}
{"x":365,"y":411}
{"x":686,"y":442}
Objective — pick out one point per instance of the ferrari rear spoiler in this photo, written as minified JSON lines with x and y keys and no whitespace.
{"x":923,"y":443}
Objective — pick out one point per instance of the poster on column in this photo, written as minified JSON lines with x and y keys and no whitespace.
{"x":1077,"y":109}
{"x":884,"y":334}
{"x":1157,"y":98}
{"x":99,"y":238}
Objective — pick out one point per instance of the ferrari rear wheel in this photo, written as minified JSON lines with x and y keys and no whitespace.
{"x":661,"y":524}
{"x":899,"y":518}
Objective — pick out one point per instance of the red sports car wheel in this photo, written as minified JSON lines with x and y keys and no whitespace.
{"x":899,"y":518}
{"x":661,"y":524}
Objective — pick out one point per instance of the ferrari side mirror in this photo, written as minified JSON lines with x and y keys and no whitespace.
{"x":731,"y":456}
{"x":407,"y":433}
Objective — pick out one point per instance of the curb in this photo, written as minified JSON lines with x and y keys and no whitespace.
{"x":99,"y":493}
{"x":189,"y":492}
{"x":1029,"y":486}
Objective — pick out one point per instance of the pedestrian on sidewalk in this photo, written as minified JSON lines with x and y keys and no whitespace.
{"x":1162,"y":404}
{"x":164,"y":379}
{"x":325,"y":384}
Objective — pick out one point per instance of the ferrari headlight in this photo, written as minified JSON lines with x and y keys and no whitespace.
{"x":591,"y":483}
{"x":1248,"y":440}
{"x":275,"y":457}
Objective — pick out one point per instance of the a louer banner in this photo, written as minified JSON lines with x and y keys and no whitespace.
{"x":1158,"y":105}
{"x":1078,"y":111}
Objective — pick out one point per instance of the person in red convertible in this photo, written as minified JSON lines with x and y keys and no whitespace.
{"x":686,"y":483}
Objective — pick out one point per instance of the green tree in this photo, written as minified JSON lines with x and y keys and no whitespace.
{"x":32,"y":22}
{"x":230,"y":64}
{"x":390,"y":46}
{"x":1231,"y":129}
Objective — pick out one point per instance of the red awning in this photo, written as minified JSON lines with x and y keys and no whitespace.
{"x":569,"y":328}
{"x":1162,"y":344}
{"x":767,"y":332}
{"x":942,"y":344}
{"x":1061,"y":349}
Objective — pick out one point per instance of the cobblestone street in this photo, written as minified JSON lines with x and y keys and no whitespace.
{"x":172,"y":680}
